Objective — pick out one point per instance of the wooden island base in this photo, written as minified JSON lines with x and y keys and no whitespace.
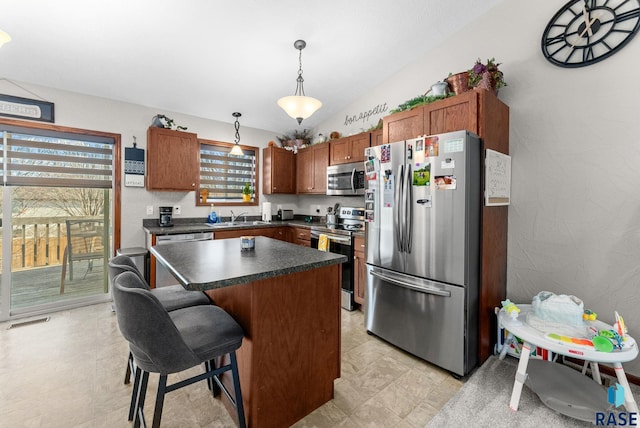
{"x":290,"y":355}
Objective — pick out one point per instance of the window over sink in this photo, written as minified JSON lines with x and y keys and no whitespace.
{"x":223,"y":176}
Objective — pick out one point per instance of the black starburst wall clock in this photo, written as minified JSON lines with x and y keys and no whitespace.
{"x":584,"y":32}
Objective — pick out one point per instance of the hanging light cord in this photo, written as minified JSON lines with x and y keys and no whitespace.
{"x":300,"y":80}
{"x":237,"y":125}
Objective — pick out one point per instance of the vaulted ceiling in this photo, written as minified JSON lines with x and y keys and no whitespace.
{"x":209,"y":58}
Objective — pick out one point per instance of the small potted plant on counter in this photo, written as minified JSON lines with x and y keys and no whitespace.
{"x":247,"y":191}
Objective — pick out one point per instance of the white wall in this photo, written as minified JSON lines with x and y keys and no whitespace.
{"x":574,"y":219}
{"x":85,"y":112}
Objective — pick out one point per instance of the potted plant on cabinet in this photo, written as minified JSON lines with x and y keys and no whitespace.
{"x":247,"y":191}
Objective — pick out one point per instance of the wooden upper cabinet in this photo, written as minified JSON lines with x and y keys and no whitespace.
{"x":173,"y":160}
{"x":349,"y":149}
{"x":376,"y":137}
{"x":311,"y":169}
{"x":359,"y":142}
{"x":477,"y":111}
{"x":403,"y":125}
{"x":278,"y":171}
{"x":452,"y":114}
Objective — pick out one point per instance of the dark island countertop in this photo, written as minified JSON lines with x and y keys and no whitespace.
{"x":205,"y":265}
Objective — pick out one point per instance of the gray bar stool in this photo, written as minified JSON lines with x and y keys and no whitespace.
{"x":170,"y":342}
{"x":173,"y":297}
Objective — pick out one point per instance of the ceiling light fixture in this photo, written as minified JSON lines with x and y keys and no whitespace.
{"x":299,"y":106}
{"x":236,"y":150}
{"x":4,"y":38}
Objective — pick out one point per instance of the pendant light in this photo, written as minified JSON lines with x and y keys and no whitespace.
{"x":4,"y":38}
{"x":236,"y":150}
{"x":299,"y":106}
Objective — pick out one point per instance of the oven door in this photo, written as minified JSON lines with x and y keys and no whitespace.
{"x":341,"y":244}
{"x":346,"y":179}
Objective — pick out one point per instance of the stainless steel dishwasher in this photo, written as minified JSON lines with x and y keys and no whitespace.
{"x":163,"y":276}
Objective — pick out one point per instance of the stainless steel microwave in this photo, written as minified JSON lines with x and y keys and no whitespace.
{"x":346,"y":179}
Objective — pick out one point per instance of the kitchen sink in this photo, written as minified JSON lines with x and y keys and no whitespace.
{"x":235,"y":223}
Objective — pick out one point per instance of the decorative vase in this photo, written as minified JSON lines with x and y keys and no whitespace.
{"x":246,"y":198}
{"x":459,"y":82}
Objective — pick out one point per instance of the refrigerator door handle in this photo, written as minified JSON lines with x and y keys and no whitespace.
{"x":405,"y":284}
{"x":408,"y":208}
{"x":397,"y":208}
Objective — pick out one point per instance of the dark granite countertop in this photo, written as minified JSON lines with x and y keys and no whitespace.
{"x":205,"y":265}
{"x":194,"y":225}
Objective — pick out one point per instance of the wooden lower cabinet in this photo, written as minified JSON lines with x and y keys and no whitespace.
{"x":270,"y":232}
{"x":301,"y":236}
{"x":359,"y":270}
{"x":290,"y":356}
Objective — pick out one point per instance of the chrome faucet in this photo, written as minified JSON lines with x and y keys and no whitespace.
{"x":234,"y":217}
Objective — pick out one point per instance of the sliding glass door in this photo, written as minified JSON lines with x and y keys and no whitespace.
{"x":58,"y":199}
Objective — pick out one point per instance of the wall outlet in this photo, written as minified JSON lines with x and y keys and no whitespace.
{"x":315,"y":209}
{"x":177,"y":210}
{"x":149,"y":209}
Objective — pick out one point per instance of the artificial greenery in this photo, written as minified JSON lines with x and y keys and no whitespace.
{"x":162,"y":121}
{"x":247,"y":190}
{"x":419,"y":101}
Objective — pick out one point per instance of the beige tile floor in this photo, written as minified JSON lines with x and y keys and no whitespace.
{"x":68,"y":372}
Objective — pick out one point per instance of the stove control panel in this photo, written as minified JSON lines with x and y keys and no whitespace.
{"x":352,"y":213}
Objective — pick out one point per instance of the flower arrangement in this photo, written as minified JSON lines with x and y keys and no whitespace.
{"x":489,"y":70}
{"x":297,"y":138}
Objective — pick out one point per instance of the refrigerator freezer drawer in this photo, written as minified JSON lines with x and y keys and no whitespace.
{"x":423,"y":317}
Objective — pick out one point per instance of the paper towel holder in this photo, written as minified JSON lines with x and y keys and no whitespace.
{"x":266,"y":212}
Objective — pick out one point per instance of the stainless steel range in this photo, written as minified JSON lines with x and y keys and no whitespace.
{"x":340,"y":235}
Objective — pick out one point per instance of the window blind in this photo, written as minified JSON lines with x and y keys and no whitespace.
{"x":223,"y":174}
{"x":29,"y":159}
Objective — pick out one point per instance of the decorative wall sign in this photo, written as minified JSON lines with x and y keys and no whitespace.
{"x":25,"y":108}
{"x":366,"y":115}
{"x":133,"y":166}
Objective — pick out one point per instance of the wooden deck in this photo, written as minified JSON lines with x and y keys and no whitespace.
{"x":36,"y":286}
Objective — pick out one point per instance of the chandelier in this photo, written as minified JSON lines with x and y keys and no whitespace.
{"x":299,"y":106}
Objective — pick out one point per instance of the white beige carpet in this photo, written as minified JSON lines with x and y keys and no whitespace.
{"x":483,"y":401}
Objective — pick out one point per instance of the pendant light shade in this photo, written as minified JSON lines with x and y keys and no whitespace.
{"x":4,"y":38}
{"x":236,"y":150}
{"x":299,"y":106}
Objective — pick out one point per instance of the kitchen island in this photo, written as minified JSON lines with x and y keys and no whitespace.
{"x":287,"y":300}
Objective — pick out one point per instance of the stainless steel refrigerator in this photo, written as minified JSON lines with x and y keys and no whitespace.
{"x":423,"y":205}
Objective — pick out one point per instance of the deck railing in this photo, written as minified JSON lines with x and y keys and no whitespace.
{"x":39,"y":241}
